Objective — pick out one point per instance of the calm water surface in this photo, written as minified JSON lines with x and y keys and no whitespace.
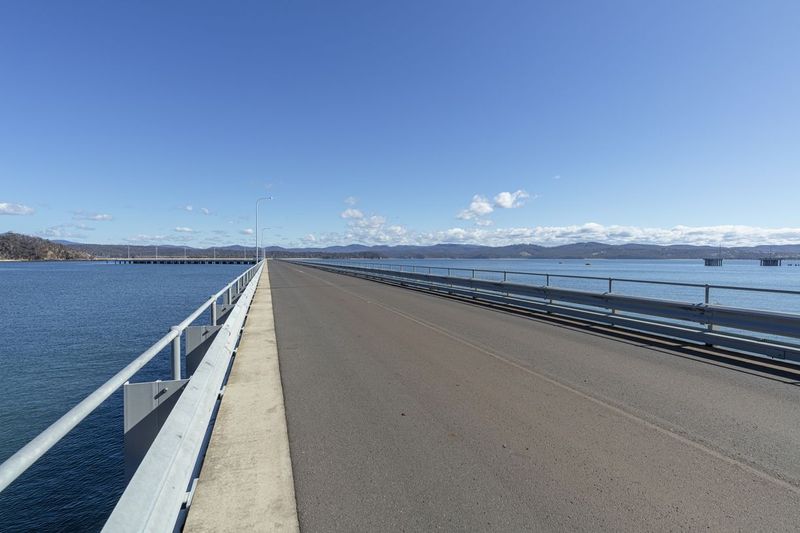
{"x":67,"y":327}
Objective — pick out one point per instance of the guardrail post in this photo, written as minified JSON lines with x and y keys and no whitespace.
{"x":610,"y":281}
{"x":176,"y":354}
{"x":547,"y":284}
{"x":214,"y":311}
{"x":709,"y":326}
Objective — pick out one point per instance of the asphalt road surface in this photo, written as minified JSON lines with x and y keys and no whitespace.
{"x":413,"y":412}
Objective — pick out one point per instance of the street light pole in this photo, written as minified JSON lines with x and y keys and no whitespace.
{"x":258,"y":202}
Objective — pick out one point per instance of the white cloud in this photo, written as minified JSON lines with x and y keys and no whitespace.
{"x":70,"y":230}
{"x":351,"y":200}
{"x":247,"y":231}
{"x":146,"y":238}
{"x":479,"y":206}
{"x":61,"y":231}
{"x":374,"y":230}
{"x":80,"y":225}
{"x":97,"y":217}
{"x":184,"y":229}
{"x":15,"y":209}
{"x":511,"y":200}
{"x":187,"y":208}
{"x":205,"y":210}
{"x":615,"y":234}
{"x":557,"y":177}
{"x":351,"y":213}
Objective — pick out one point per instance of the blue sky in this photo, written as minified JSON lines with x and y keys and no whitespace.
{"x":401,"y":122}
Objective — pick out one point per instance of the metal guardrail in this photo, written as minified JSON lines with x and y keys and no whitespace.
{"x":236,"y":295}
{"x":547,"y":277}
{"x":777,"y":330}
{"x":159,"y":494}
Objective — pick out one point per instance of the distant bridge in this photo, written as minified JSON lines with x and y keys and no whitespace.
{"x":179,"y":260}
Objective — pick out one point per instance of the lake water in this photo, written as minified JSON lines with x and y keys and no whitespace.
{"x":67,"y":327}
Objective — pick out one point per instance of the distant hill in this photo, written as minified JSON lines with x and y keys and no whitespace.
{"x":26,"y":248}
{"x":585,"y":250}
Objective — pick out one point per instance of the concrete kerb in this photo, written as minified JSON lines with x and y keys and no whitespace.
{"x":246,"y":482}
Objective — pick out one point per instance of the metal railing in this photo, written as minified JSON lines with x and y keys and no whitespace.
{"x":159,"y":494}
{"x":767,"y":333}
{"x":18,"y":463}
{"x":548,"y":277}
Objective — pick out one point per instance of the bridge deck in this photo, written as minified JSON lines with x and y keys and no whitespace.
{"x":407,"y":411}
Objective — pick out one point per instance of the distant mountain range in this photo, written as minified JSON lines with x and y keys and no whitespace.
{"x":23,"y":247}
{"x":587,"y":250}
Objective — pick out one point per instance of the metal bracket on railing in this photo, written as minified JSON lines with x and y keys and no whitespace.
{"x":223,"y":310}
{"x":146,"y":406}
{"x":198,"y":339}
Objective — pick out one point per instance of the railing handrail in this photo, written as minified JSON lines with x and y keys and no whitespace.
{"x":578,"y":276}
{"x":26,"y":456}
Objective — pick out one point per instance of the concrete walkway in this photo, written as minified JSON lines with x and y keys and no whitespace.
{"x":411,"y":412}
{"x":246,"y":481}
